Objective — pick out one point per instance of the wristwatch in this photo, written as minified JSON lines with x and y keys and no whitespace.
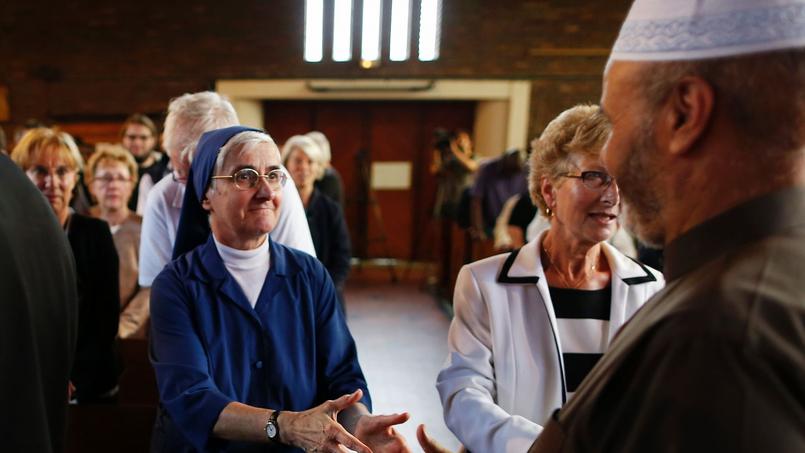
{"x":273,"y":428}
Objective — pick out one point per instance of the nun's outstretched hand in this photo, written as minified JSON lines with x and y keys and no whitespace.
{"x":317,"y":430}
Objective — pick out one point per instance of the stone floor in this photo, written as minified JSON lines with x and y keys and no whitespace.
{"x":401,"y":335}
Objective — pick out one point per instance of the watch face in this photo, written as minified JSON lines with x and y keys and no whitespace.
{"x":271,"y":430}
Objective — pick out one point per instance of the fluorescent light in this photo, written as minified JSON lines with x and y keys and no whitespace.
{"x":314,"y":24}
{"x":400,"y":30}
{"x":342,"y":30}
{"x":370,"y":36}
{"x":430,"y":20}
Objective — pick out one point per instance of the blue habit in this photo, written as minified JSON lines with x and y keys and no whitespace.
{"x":209,"y":347}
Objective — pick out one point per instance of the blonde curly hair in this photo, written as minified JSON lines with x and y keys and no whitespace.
{"x":580,"y":130}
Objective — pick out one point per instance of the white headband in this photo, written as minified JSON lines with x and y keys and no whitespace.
{"x":669,"y":30}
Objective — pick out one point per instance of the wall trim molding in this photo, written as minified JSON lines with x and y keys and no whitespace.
{"x":247,"y":96}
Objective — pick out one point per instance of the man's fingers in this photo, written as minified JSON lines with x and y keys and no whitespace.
{"x":428,"y":445}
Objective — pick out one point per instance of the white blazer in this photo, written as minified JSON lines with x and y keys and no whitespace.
{"x":504,"y":374}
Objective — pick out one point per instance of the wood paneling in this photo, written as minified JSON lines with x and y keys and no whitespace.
{"x":378,"y":132}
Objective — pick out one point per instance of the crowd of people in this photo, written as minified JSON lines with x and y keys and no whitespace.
{"x":230,"y":253}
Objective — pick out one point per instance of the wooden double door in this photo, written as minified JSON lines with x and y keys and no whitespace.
{"x":365,"y":132}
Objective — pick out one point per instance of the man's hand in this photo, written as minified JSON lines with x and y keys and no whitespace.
{"x":317,"y":430}
{"x":428,"y":445}
{"x":377,"y":431}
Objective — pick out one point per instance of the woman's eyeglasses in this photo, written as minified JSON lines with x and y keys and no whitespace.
{"x":109,"y":179}
{"x":247,"y":178}
{"x":594,"y":180}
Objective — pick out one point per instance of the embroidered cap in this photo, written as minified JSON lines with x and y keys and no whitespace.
{"x":663,"y":30}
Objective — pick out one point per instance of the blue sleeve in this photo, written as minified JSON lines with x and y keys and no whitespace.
{"x":338,"y":358}
{"x":186,"y":388}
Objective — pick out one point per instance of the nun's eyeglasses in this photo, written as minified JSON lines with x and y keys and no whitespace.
{"x":248,"y":178}
{"x":594,"y":180}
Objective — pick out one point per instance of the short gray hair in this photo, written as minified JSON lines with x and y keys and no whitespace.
{"x":304,"y":143}
{"x":193,"y":114}
{"x":324,"y":145}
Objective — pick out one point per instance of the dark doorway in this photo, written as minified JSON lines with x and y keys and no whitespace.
{"x":361,"y":133}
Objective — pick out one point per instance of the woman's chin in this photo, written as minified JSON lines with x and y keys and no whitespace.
{"x":601,"y":234}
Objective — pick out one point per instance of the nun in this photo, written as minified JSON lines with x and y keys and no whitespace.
{"x":250,"y":349}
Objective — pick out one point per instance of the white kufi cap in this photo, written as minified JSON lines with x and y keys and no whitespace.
{"x":669,"y":30}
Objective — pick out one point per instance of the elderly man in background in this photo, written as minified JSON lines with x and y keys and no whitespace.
{"x":709,"y":151}
{"x":189,"y":116}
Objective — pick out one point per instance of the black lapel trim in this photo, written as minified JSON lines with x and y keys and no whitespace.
{"x":649,"y":277}
{"x":503,"y":276}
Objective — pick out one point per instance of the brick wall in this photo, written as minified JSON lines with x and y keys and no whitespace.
{"x":98,"y":61}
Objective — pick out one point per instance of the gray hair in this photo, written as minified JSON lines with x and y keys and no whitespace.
{"x":763,"y":95}
{"x":306,"y":144}
{"x":242,"y":141}
{"x":193,"y":114}
{"x":324,"y":145}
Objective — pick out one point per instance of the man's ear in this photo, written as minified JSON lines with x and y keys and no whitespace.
{"x":688,"y":112}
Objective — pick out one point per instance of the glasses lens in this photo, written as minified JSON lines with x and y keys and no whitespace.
{"x":276,"y":179}
{"x":245,"y":178}
{"x":595,"y":179}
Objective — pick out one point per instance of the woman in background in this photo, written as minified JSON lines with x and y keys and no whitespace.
{"x":112,"y":174}
{"x":52,"y":162}
{"x":303,"y":159}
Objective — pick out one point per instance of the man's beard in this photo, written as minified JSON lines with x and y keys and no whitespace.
{"x":642,"y":205}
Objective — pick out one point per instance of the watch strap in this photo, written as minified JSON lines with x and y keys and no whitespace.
{"x":272,"y":420}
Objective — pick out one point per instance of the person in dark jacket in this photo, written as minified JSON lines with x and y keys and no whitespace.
{"x":51,"y":160}
{"x":302,"y":157}
{"x":40,"y":317}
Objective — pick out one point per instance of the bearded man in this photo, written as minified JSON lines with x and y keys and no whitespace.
{"x":707,"y":105}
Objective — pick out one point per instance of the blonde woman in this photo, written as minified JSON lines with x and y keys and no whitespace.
{"x":112,"y":177}
{"x":52,"y":162}
{"x":530,"y":324}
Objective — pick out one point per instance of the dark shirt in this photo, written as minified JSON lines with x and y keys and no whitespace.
{"x":97,"y":363}
{"x":523,"y":212}
{"x":494,"y":185}
{"x":330,"y":236}
{"x":39,"y":317}
{"x":156,"y":171}
{"x":716,"y":362}
{"x":331,"y":185}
